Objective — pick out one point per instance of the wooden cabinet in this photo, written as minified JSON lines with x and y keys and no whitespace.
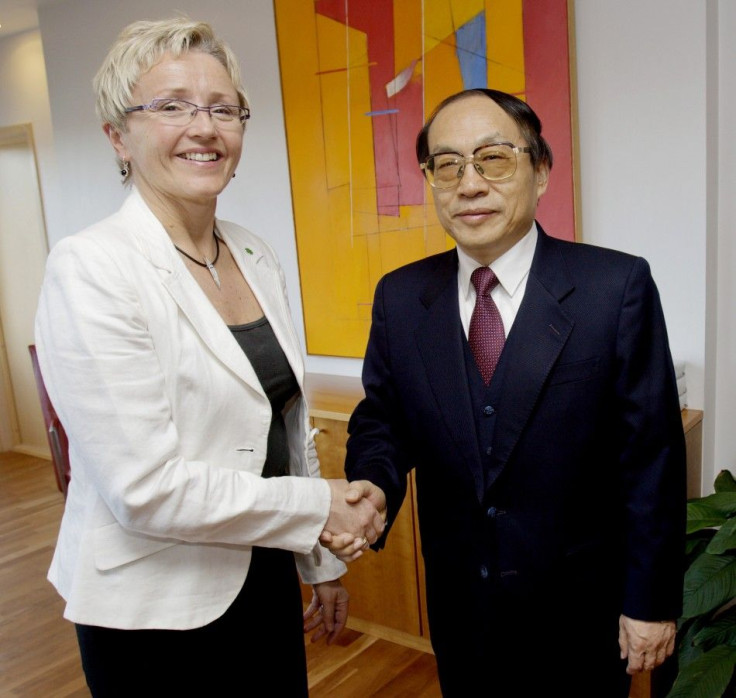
{"x":387,"y":588}
{"x":692,"y":422}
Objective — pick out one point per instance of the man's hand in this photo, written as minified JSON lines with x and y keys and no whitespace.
{"x":645,"y":644}
{"x":345,"y":544}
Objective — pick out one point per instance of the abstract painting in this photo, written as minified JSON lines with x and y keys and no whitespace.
{"x":358,"y":79}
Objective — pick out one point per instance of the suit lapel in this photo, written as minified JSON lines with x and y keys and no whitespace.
{"x":440,"y":344}
{"x":265,"y":282}
{"x":155,"y":244}
{"x":539,"y":333}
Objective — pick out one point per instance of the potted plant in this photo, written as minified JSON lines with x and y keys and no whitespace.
{"x":707,"y":629}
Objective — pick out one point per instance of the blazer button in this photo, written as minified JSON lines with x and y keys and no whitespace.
{"x":488,"y":410}
{"x":491,"y":513}
{"x":489,"y":450}
{"x":483,"y":572}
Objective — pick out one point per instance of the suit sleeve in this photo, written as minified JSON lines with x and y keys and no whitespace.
{"x":376,"y":450}
{"x":652,"y":455}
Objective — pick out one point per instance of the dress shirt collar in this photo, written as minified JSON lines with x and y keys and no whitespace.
{"x":511,"y":268}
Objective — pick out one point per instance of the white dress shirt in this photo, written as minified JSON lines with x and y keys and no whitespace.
{"x":511,"y":269}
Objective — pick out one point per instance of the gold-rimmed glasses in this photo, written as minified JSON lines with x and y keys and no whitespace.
{"x":494,"y":162}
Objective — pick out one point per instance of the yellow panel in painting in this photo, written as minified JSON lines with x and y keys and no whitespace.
{"x":365,"y":216}
{"x":464,"y":10}
{"x":335,"y":321}
{"x":415,"y":216}
{"x":334,"y":326}
{"x":336,"y":126}
{"x":437,"y":23}
{"x":505,"y":45}
{"x":442,"y":75}
{"x":373,"y":243}
{"x":299,"y":64}
{"x":362,"y":160}
{"x":363,"y":220}
{"x":322,"y":215}
{"x":442,"y":18}
{"x":401,"y":247}
{"x":407,"y":33}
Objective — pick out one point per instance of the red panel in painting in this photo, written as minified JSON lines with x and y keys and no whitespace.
{"x":396,"y":120}
{"x":546,"y":56}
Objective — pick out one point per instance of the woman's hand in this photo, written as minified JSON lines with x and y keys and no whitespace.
{"x":328,"y":611}
{"x":361,"y":496}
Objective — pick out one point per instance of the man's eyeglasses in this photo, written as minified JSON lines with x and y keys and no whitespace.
{"x":494,"y":162}
{"x":179,"y":112}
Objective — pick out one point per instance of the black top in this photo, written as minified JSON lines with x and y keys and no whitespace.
{"x":269,"y":362}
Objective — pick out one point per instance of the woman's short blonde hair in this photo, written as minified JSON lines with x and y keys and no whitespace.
{"x":139,"y":47}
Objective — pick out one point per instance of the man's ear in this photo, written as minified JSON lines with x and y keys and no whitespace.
{"x":542,"y":179}
{"x":116,"y":139}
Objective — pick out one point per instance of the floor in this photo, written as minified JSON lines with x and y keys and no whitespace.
{"x":38,"y":650}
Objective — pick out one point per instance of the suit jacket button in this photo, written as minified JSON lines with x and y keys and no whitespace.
{"x":491,"y":513}
{"x":488,"y":410}
{"x":483,"y":572}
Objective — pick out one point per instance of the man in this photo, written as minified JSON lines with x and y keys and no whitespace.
{"x":551,"y":486}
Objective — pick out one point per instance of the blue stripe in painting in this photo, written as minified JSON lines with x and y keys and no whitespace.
{"x":471,"y":52}
{"x":383,"y":111}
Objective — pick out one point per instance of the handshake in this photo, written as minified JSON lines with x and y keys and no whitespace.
{"x":357,"y":518}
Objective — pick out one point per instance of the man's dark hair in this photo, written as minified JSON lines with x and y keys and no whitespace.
{"x":524,"y":116}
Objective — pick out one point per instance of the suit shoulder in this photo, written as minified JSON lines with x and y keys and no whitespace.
{"x":245,"y":240}
{"x":109,"y":234}
{"x":582,"y":255}
{"x":420,"y":269}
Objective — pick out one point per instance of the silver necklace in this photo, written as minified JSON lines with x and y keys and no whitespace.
{"x":210,"y":266}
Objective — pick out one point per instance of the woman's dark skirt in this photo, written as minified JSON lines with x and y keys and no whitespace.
{"x":255,"y":649}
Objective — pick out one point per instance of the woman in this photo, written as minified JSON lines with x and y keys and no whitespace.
{"x":165,"y":341}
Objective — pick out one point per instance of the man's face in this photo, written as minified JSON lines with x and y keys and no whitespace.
{"x":484,"y":218}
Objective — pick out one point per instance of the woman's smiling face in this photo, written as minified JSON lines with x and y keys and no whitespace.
{"x":175,"y":164}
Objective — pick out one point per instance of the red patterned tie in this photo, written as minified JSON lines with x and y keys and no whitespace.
{"x":486,"y":335}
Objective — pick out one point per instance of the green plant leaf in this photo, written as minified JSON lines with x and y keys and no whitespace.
{"x":720,"y":631}
{"x":707,"y":676}
{"x":703,"y":513}
{"x":710,"y":582}
{"x":687,"y":631}
{"x":697,"y":542}
{"x":725,"y":539}
{"x":725,"y":482}
{"x":722,"y":502}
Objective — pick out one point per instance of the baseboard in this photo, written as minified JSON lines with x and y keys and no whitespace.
{"x":397,"y":636}
{"x":34,"y":451}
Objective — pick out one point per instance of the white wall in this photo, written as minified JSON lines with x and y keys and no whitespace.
{"x":720,"y":443}
{"x":647,"y":181}
{"x":642,"y":114}
{"x":24,"y":99}
{"x":22,"y":237}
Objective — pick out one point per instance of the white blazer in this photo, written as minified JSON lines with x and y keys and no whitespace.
{"x":167,"y":426}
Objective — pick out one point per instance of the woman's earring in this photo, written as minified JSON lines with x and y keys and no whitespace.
{"x":125,"y":169}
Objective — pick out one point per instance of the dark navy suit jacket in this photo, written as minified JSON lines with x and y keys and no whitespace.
{"x":578,"y":514}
